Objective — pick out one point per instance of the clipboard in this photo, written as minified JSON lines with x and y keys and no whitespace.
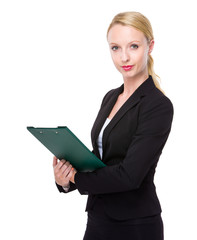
{"x":62,"y":142}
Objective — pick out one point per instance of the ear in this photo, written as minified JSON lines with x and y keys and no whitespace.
{"x":151,"y":46}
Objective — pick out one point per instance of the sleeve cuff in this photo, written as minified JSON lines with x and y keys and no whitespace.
{"x":66,"y":189}
{"x":79,"y":183}
{"x":70,"y":188}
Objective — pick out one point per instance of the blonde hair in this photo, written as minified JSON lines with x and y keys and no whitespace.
{"x":141,"y":23}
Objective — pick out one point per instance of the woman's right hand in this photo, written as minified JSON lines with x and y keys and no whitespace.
{"x":63,"y":172}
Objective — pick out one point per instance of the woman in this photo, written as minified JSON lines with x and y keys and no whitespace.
{"x":129,"y":134}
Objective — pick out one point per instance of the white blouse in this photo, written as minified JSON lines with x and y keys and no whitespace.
{"x":100,"y":137}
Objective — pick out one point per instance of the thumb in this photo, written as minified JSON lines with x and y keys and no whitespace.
{"x":54,"y":161}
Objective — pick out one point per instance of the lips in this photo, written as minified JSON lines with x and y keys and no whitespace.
{"x":127,"y":67}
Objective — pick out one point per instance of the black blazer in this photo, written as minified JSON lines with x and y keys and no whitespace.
{"x":132,"y":144}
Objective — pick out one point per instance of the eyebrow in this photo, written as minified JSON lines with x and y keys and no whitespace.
{"x":128,"y":43}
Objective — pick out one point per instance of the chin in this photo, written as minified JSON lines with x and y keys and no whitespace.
{"x":129,"y":74}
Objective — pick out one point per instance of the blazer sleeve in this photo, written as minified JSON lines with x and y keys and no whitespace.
{"x":143,"y":153}
{"x":71,"y":188}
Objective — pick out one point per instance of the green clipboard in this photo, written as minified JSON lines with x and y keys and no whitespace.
{"x":65,"y":145}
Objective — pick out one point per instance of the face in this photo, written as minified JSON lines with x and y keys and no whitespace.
{"x":129,"y":50}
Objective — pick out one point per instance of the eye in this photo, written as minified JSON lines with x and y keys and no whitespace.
{"x":114,"y":48}
{"x":134,"y":46}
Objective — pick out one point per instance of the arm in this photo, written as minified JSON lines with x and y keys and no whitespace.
{"x":143,"y":153}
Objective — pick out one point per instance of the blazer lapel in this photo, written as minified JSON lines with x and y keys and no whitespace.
{"x":141,"y":91}
{"x":102,"y":116}
{"x":130,"y":103}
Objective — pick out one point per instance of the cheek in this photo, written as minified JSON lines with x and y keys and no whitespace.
{"x":115,"y":59}
{"x":142,"y":58}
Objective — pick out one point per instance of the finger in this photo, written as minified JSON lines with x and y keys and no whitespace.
{"x":55,"y":161}
{"x":67,"y":173}
{"x":60,"y":164}
{"x":67,"y":163}
{"x":63,"y":168}
{"x":57,"y":168}
{"x":63,"y":161}
{"x":66,"y":170}
{"x":70,"y":174}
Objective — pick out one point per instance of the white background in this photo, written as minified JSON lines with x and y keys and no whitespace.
{"x":55,"y":68}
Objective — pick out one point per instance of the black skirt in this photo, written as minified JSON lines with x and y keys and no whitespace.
{"x":102,"y":227}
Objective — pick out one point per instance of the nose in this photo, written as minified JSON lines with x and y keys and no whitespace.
{"x":125,"y":56}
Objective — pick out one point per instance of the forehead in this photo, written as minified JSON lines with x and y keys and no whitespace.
{"x":122,"y":34}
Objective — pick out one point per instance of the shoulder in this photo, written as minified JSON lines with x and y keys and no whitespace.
{"x":156,"y":109}
{"x":155,"y":99}
{"x":155,"y":113}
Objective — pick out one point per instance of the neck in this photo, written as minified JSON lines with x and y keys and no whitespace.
{"x":131,"y":84}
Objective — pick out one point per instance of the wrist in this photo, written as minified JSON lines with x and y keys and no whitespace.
{"x":66,"y":188}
